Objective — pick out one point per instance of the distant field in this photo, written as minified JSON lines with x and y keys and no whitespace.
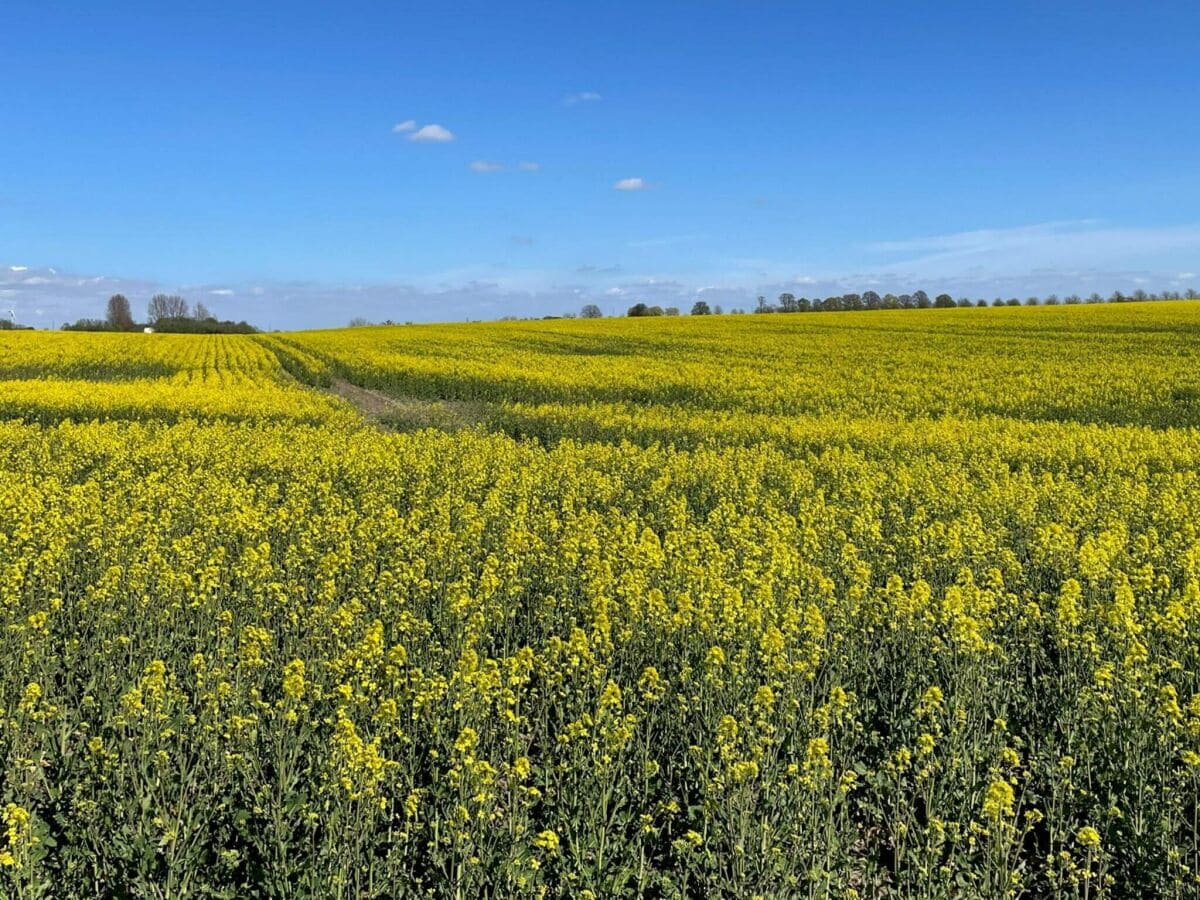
{"x":890,"y":604}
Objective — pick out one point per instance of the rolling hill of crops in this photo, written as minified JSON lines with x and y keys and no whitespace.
{"x":895,"y":604}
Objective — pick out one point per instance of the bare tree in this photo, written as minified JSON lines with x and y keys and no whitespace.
{"x":200,"y":313}
{"x":119,"y":316}
{"x":167,"y":306}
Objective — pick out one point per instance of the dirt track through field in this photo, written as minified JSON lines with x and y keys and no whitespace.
{"x":409,"y":413}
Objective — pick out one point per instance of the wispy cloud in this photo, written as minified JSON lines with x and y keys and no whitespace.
{"x":1078,"y":243}
{"x":582,"y":97}
{"x":667,"y":240}
{"x":405,"y":126}
{"x":485,"y":165}
{"x":527,"y":166}
{"x":632,"y":184}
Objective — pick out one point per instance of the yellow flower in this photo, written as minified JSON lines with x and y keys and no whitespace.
{"x":466,"y":740}
{"x":998,"y":801}
{"x":1088,"y":837}
{"x":293,"y":679}
{"x":546,"y":840}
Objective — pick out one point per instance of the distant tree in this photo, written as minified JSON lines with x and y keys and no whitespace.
{"x":1032,"y":301}
{"x":1095,"y":298}
{"x":763,"y":306}
{"x":1139,"y":295}
{"x":907,"y":301}
{"x":891,"y":301}
{"x":700,"y":308}
{"x":981,"y":303}
{"x":1117,"y":297}
{"x":787,"y":303}
{"x":872,"y":300}
{"x":943,"y":301}
{"x":87,"y":325}
{"x":357,"y":322}
{"x":167,"y":306}
{"x":189,"y":325}
{"x":1190,"y":294}
{"x":200,"y":313}
{"x":1012,"y":301}
{"x":1071,"y":299}
{"x":591,"y":311}
{"x":804,"y":305}
{"x":921,"y":299}
{"x":1051,"y":300}
{"x":119,"y":317}
{"x":963,"y":303}
{"x":717,"y":311}
{"x":853,"y":302}
{"x":671,"y":311}
{"x":638,"y":309}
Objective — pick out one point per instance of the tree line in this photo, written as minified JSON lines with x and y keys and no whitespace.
{"x":789,"y":303}
{"x":165,"y":312}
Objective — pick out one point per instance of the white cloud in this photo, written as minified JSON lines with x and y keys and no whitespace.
{"x":528,"y":166}
{"x":406,"y":125}
{"x":222,"y":292}
{"x":17,"y":268}
{"x":582,"y":97}
{"x":632,"y":184}
{"x":432,"y":134}
{"x":485,"y":165}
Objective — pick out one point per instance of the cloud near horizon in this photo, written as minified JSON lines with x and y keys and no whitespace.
{"x":47,"y":297}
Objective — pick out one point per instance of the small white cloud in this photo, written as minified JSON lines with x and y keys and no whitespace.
{"x":1186,"y":275}
{"x":406,"y":125}
{"x":485,"y":165}
{"x":582,"y":97}
{"x":528,"y":166}
{"x":222,"y":292}
{"x":432,"y":134}
{"x":17,"y":268}
{"x":632,"y":184}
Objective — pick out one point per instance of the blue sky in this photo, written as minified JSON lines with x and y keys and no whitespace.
{"x":249,"y":155}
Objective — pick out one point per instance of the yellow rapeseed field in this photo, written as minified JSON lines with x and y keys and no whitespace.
{"x":896,"y":604}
